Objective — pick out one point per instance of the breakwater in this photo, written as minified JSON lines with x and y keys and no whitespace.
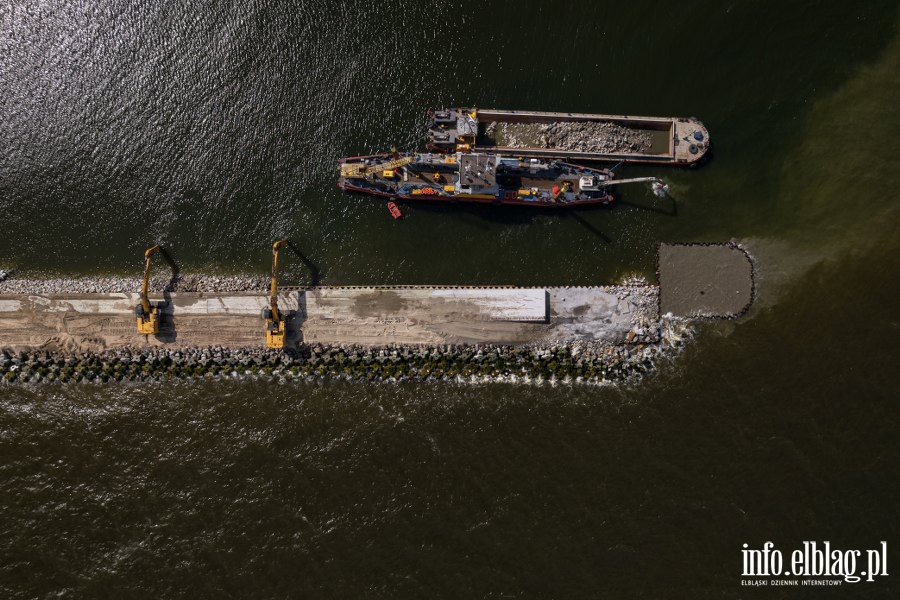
{"x":570,"y":363}
{"x":83,"y":331}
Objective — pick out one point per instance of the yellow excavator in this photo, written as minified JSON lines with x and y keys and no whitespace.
{"x":147,"y":315}
{"x":274,"y":319}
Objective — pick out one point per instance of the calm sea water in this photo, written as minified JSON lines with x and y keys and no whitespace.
{"x":214,"y":128}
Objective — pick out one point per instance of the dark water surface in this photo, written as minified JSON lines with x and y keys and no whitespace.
{"x":214,"y":128}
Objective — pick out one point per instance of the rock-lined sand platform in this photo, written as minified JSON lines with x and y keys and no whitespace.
{"x":84,"y":329}
{"x":364,"y":316}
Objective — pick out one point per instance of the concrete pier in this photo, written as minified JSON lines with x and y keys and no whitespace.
{"x":367,"y":316}
{"x":695,"y":280}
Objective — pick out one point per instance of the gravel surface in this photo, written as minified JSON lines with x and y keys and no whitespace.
{"x":112,"y":285}
{"x":577,"y":136}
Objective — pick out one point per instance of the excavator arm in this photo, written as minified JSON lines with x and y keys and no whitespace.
{"x":274,"y":322}
{"x":147,"y":315}
{"x":359,"y":170}
{"x":657,"y":185}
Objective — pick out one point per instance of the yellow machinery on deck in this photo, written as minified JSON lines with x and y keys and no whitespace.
{"x":147,"y":315}
{"x":274,"y":320}
{"x":361,"y":170}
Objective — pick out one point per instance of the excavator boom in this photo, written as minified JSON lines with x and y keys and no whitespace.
{"x":274,"y":321}
{"x":358,"y":170}
{"x":273,"y":288}
{"x":147,"y":315}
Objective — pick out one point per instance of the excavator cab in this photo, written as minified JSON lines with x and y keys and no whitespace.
{"x":147,"y":314}
{"x":274,"y":333}
{"x":275,"y":325}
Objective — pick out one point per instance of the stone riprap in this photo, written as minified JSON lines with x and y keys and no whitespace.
{"x":596,"y":137}
{"x":11,"y":284}
{"x":571,"y":363}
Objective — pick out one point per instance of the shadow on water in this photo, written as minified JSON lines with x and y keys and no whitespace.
{"x":665,"y":206}
{"x":484,"y":215}
{"x":589,"y":226}
{"x":314,"y":271}
{"x":176,"y":273}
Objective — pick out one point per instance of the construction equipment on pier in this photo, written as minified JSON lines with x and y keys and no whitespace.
{"x":274,"y":319}
{"x":147,"y":315}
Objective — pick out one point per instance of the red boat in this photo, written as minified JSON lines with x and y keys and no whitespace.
{"x":395,"y":210}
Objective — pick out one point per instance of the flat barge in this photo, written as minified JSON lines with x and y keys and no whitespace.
{"x":575,"y":137}
{"x":475,"y":177}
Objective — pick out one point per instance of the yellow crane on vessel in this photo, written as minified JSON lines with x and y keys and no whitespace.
{"x":385,"y":169}
{"x":147,"y":315}
{"x":274,"y":319}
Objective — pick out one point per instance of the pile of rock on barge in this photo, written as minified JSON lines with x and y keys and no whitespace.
{"x":569,"y":136}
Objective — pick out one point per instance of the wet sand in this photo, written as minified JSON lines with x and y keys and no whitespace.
{"x":705,"y":280}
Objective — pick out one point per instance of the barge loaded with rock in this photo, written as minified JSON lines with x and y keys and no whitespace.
{"x":568,"y":136}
